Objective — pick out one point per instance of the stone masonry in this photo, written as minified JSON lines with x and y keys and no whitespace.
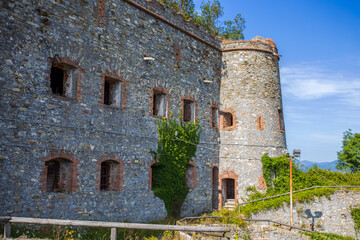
{"x":82,"y":85}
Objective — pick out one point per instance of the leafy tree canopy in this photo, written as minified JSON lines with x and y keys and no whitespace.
{"x":209,"y":17}
{"x":349,"y":156}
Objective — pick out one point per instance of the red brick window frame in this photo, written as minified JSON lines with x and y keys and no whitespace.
{"x":227,"y":120}
{"x":214,"y":116}
{"x":100,"y":16}
{"x":65,"y":77}
{"x":188,"y":112}
{"x":190,"y":176}
{"x":159,"y":102}
{"x":60,"y":173}
{"x":281,"y":122}
{"x":260,"y":123}
{"x":110,"y":174}
{"x":113,"y":91}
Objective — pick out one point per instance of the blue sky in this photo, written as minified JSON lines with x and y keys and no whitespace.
{"x":319,"y":41}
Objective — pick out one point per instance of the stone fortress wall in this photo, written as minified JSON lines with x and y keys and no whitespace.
{"x":118,"y":59}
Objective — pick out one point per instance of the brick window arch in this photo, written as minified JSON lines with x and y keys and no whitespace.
{"x":159,"y":102}
{"x":188,"y":113}
{"x":110,"y":174}
{"x":227,"y":120}
{"x":59,"y":173}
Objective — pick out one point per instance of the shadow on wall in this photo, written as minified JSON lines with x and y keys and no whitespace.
{"x":310,"y":215}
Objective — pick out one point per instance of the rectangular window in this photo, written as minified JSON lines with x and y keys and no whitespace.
{"x":189,"y":111}
{"x":113,"y":92}
{"x":159,"y":104}
{"x":63,"y":80}
{"x":281,"y":120}
{"x":214,"y":117}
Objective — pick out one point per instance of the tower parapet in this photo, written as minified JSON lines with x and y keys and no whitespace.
{"x":251,"y":102}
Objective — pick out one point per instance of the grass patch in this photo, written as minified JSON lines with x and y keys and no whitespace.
{"x":326,"y":236}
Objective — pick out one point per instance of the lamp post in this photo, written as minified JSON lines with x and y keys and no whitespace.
{"x":296,"y":154}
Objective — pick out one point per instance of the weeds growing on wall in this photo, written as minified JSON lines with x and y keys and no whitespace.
{"x":276,"y":173}
{"x":176,"y":147}
{"x":355,"y":213}
{"x":326,"y":236}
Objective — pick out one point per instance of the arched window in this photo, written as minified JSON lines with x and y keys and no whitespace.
{"x":110,"y":175}
{"x":59,"y":175}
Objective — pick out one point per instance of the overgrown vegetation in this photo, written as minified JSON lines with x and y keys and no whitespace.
{"x":355,"y":213}
{"x":176,"y":147}
{"x":81,"y":233}
{"x":209,"y":17}
{"x":349,"y":156}
{"x":277,"y":174}
{"x":326,"y":236}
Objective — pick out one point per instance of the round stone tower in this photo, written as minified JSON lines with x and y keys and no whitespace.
{"x":251,"y":115}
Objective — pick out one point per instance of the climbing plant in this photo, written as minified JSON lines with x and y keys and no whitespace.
{"x":177,"y":145}
{"x":355,"y":213}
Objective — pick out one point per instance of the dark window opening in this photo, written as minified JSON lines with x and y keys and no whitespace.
{"x":57,"y":81}
{"x":159,"y":104}
{"x":58,"y":175}
{"x":214,"y":117}
{"x":227,"y":119}
{"x":63,"y":80}
{"x":260,"y":123}
{"x":188,"y":115}
{"x":112,"y":92}
{"x":110,"y":176}
{"x":230,"y":188}
{"x":107,"y":93}
{"x":53,"y":175}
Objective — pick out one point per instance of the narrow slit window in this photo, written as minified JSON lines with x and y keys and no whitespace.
{"x":214,"y":117}
{"x":112,"y":92}
{"x":281,"y":120}
{"x":189,"y":111}
{"x":159,"y":104}
{"x":260,"y":124}
{"x":105,"y":176}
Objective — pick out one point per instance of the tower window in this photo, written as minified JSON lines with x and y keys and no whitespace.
{"x":281,"y":121}
{"x":188,"y":111}
{"x":113,"y":92}
{"x":227,"y":119}
{"x":63,"y":80}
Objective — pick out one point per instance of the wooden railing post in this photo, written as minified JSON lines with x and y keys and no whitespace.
{"x":113,"y":234}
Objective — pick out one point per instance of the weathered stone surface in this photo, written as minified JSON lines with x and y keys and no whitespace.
{"x":330,"y":215}
{"x":112,"y":40}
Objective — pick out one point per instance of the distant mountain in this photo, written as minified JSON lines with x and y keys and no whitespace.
{"x":305,"y":165}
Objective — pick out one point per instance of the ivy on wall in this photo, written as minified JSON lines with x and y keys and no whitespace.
{"x":355,"y":213}
{"x":177,"y":145}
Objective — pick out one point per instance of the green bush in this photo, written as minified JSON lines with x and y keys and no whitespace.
{"x":327,"y":236}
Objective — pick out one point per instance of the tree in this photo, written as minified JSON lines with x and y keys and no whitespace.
{"x":234,"y":29}
{"x":349,"y":156}
{"x":210,"y":14}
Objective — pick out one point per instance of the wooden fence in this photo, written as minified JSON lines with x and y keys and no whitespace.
{"x":113,"y":225}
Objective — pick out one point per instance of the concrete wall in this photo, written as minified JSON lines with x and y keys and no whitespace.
{"x":98,"y":38}
{"x":331,"y":215}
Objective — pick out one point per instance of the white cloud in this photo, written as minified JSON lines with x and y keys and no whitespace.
{"x":308,"y":81}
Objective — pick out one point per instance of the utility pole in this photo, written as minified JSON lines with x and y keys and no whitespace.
{"x":291,"y":194}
